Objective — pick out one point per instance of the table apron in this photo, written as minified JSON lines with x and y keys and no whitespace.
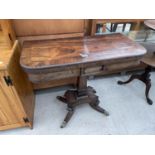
{"x":68,"y":72}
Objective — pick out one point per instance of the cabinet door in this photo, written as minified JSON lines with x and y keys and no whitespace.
{"x":10,"y":111}
{"x":22,"y":88}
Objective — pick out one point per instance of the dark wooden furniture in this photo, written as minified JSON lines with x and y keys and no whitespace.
{"x":42,"y":29}
{"x":78,"y":57}
{"x":45,"y":29}
{"x":150,"y":63}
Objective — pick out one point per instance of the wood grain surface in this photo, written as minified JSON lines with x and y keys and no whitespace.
{"x":5,"y":52}
{"x":10,"y":112}
{"x":16,"y":99}
{"x":35,"y":27}
{"x":62,"y":53}
{"x":8,"y":32}
{"x":21,"y":86}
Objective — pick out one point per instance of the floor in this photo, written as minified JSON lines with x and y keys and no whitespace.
{"x":129,"y":112}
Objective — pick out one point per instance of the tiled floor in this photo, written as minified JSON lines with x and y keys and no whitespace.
{"x":129,"y":112}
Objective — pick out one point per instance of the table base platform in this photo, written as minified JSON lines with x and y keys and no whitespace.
{"x":74,"y":97}
{"x":145,"y":78}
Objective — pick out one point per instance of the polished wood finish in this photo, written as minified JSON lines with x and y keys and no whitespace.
{"x":136,"y":25}
{"x":46,"y":29}
{"x":50,"y":29}
{"x":37,"y":55}
{"x":59,"y":82}
{"x":27,"y":33}
{"x":78,"y":57}
{"x":17,"y":98}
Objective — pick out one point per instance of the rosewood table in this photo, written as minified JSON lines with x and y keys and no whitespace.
{"x":78,"y":57}
{"x":150,"y":63}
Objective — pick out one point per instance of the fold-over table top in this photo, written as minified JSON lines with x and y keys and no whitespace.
{"x":77,"y":51}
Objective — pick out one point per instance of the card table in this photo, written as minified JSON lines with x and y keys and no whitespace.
{"x":78,"y":57}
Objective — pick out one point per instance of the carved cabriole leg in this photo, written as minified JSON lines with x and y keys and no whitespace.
{"x":145,"y":78}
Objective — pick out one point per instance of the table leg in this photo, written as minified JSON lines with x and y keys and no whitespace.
{"x":83,"y":94}
{"x":145,"y":78}
{"x":62,"y":99}
{"x":68,"y":117}
{"x":95,"y":106}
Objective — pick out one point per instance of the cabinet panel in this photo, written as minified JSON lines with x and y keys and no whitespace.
{"x":22,"y":88}
{"x":10,"y":112}
{"x":35,"y":27}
